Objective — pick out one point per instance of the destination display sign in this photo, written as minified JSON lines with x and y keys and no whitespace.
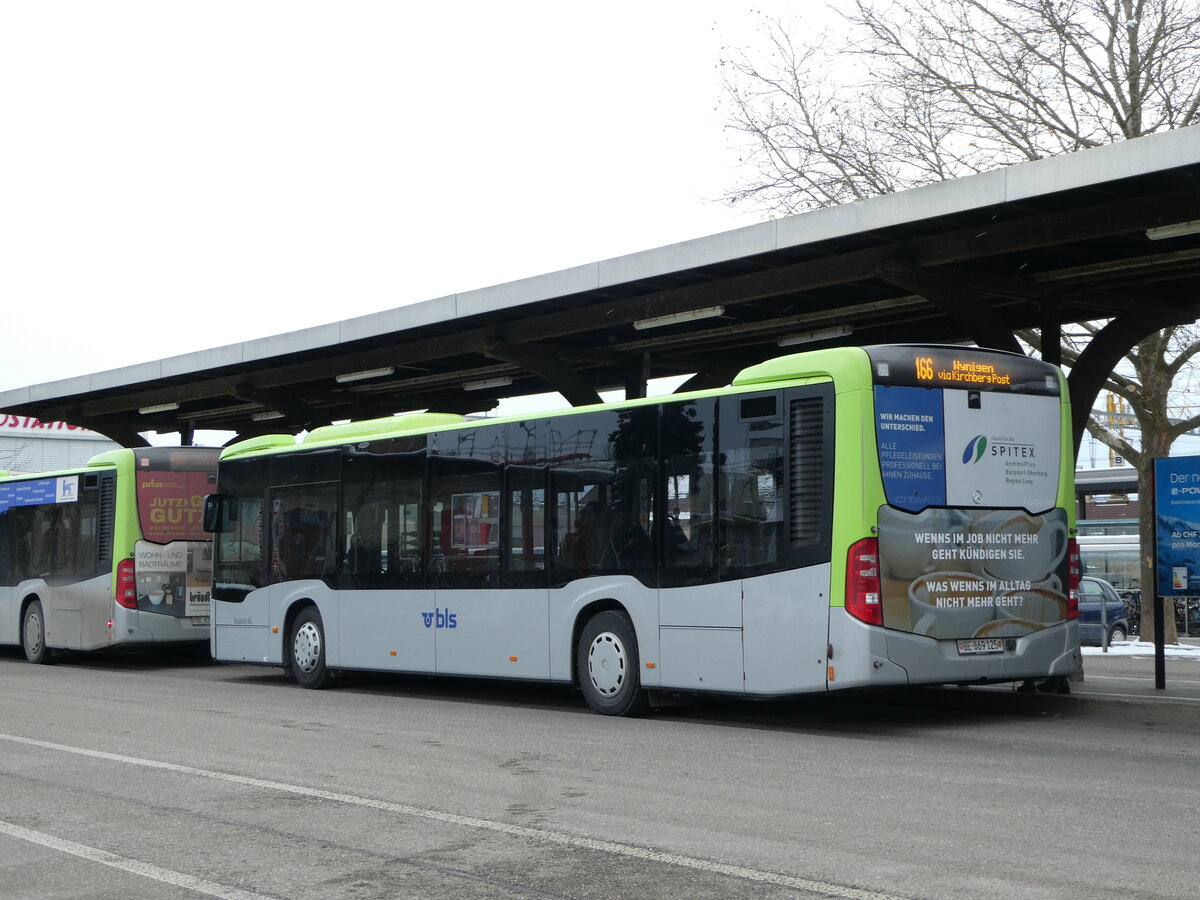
{"x":962,"y":367}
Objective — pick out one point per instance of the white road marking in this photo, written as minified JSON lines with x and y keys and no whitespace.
{"x":125,"y":864}
{"x":538,"y":834}
{"x":1153,"y":698}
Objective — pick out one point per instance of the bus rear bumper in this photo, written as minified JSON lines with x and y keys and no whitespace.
{"x":140,"y":627}
{"x":869,"y":656}
{"x":1050,"y":652}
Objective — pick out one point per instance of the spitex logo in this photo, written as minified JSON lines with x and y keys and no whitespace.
{"x":974,"y":449}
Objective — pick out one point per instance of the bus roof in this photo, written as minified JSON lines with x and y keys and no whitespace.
{"x":846,"y":366}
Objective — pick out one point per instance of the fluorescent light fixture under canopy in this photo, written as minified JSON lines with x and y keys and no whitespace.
{"x":381,"y":372}
{"x":485,"y":383}
{"x":1179,"y":229}
{"x":160,"y":407}
{"x":817,"y":334}
{"x":688,"y":315}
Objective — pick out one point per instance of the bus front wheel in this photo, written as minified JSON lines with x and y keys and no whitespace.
{"x":308,"y":650}
{"x":607,"y":664}
{"x":33,"y":633}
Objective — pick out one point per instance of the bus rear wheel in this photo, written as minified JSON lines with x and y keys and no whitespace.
{"x":308,"y":650}
{"x":607,"y":665}
{"x":33,"y":633}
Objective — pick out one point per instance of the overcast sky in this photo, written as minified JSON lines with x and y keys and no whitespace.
{"x":180,"y":176}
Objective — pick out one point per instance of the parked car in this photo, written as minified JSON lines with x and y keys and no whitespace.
{"x":1092,"y":593}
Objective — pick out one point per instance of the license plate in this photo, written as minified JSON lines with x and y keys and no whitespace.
{"x":200,"y":620}
{"x":973,"y":646}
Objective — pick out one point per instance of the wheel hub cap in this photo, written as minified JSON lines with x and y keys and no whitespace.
{"x":33,"y":633}
{"x":307,"y":647}
{"x":606,"y":664}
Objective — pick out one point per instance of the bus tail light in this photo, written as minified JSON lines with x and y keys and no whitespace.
{"x":863,"y":600}
{"x":126,"y":585}
{"x":1074,"y":570}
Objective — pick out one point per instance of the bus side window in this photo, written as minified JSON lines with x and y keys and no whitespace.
{"x":22,"y":533}
{"x":582,"y":470}
{"x":524,"y":527}
{"x":303,"y":532}
{"x":751,"y":504}
{"x":382,"y":486}
{"x":688,"y":520}
{"x":465,"y":470}
{"x":366,"y":536}
{"x":42,"y":541}
{"x":6,"y":548}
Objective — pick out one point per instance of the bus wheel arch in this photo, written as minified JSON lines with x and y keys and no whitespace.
{"x":607,"y":661}
{"x":33,"y":630}
{"x":304,"y":653}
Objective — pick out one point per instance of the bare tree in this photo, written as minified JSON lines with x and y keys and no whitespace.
{"x":919,"y":91}
{"x":1153,"y":374}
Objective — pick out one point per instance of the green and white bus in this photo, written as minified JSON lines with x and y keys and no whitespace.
{"x":108,"y":555}
{"x":843,"y":518}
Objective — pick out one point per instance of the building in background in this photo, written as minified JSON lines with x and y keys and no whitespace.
{"x":30,"y":445}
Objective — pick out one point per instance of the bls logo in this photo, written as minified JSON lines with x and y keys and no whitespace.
{"x":443,"y":618}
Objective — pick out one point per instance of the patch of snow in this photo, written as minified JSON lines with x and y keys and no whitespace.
{"x":1143,"y":649}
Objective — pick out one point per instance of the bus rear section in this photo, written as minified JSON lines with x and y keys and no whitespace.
{"x":969,"y":571}
{"x":107,"y":555}
{"x":163,"y":588}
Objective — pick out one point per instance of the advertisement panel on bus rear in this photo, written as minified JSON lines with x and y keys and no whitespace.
{"x":966,"y":573}
{"x":171,"y":505}
{"x":967,"y":448}
{"x":971,"y":545}
{"x":174,"y":579}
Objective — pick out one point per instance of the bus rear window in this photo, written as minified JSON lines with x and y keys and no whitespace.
{"x":171,"y":504}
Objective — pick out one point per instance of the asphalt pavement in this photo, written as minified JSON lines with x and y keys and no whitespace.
{"x":1133,"y":678}
{"x":1113,"y":686}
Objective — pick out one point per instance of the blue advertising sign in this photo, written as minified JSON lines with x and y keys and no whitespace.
{"x":1177,"y":525}
{"x":910,"y":425}
{"x":39,"y":492}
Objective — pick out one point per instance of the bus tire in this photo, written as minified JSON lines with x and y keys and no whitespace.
{"x":307,"y":650}
{"x":608,"y":667}
{"x":33,"y":633}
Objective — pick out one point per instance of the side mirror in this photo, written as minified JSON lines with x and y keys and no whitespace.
{"x":220,"y":512}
